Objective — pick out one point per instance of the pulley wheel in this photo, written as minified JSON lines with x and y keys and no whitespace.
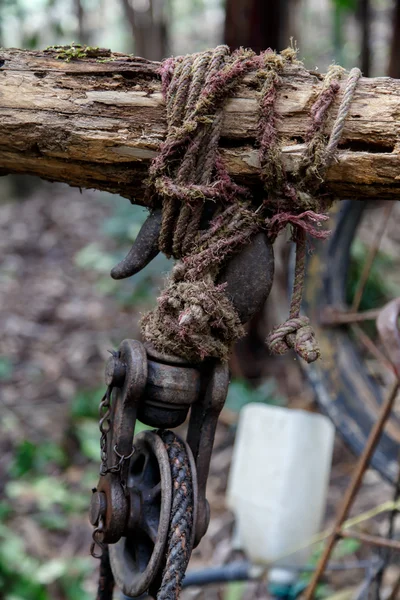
{"x":137,"y":558}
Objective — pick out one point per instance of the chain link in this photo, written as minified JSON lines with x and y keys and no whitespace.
{"x":117,"y":468}
{"x":105,"y":426}
{"x":97,"y":537}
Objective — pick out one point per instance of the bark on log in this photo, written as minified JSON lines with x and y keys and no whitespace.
{"x":97,"y":122}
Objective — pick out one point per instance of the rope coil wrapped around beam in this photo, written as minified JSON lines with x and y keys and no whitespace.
{"x":207,"y":217}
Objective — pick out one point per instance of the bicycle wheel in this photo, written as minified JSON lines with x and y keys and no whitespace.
{"x":349,"y":277}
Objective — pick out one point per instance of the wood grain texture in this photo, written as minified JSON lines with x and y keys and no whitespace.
{"x":97,"y":123}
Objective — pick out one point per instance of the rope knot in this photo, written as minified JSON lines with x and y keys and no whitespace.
{"x":195,"y":314}
{"x":295,"y":333}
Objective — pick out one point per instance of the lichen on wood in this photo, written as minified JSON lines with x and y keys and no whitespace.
{"x":77,"y":51}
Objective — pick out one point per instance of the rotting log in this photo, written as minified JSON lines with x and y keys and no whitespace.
{"x":97,"y":123}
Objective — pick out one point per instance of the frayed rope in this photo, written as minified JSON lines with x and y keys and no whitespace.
{"x":207,"y":217}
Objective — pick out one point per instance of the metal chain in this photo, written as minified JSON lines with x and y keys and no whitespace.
{"x":117,"y":468}
{"x":105,"y":426}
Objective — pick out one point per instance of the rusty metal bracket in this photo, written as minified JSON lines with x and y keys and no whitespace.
{"x":126,"y":374}
{"x":200,"y":437}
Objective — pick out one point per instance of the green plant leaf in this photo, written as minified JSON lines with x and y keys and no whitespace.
{"x":139,"y":426}
{"x":346,"y":5}
{"x":51,"y":571}
{"x":6,"y":367}
{"x":87,"y":432}
{"x":86,"y":403}
{"x":346,"y":547}
{"x":380,"y":287}
{"x":34,"y":458}
{"x":24,"y":459}
{"x":5,"y":510}
{"x":241,"y":393}
{"x":234,"y":590}
{"x":53,"y":521}
{"x":93,"y":257}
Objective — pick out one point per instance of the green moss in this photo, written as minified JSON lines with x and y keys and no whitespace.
{"x":78,"y":51}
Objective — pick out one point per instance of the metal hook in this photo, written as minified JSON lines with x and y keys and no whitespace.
{"x":144,"y":248}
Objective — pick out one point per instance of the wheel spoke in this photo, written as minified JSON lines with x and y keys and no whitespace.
{"x":145,"y":465}
{"x":370,"y":346}
{"x":151,"y":530}
{"x":332,"y":316}
{"x":371,"y":257}
{"x":155,"y":491}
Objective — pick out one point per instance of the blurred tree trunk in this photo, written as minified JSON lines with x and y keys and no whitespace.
{"x":394,"y":61}
{"x":80,"y":14}
{"x":148,"y":23}
{"x":337,"y":32}
{"x":365,"y":22}
{"x":257,"y":24}
{"x":1,"y":23}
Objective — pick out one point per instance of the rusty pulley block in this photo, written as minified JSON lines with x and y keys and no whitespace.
{"x":131,"y":506}
{"x":138,"y":502}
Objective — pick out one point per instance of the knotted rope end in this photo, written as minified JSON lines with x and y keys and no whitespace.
{"x":297,"y":334}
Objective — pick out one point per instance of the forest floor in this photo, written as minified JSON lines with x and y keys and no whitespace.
{"x":60,"y":314}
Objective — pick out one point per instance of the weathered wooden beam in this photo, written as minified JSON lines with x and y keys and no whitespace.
{"x":97,"y":122}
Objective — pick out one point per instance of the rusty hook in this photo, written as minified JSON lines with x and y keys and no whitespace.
{"x":143,"y":250}
{"x":247,"y":276}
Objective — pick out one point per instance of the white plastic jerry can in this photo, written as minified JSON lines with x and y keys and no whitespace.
{"x":278,"y":482}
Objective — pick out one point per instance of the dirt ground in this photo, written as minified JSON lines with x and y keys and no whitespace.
{"x":57,"y":325}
